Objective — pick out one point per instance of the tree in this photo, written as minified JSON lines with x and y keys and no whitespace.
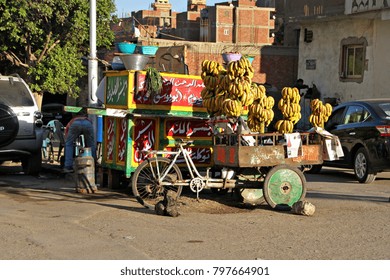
{"x":44,"y":41}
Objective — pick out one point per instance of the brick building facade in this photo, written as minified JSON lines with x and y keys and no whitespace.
{"x":238,"y":24}
{"x":205,"y":32}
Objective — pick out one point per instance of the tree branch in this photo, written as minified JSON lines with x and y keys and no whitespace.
{"x":53,"y":45}
{"x":13,"y":58}
{"x":43,"y":53}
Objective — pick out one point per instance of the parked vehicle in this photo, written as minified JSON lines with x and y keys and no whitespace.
{"x":20,"y":125}
{"x":55,"y":111}
{"x":363,"y":128}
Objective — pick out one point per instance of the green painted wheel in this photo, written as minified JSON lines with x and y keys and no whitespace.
{"x":283,"y":186}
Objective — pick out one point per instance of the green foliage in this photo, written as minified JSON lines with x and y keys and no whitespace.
{"x":45,"y":40}
{"x":153,"y":81}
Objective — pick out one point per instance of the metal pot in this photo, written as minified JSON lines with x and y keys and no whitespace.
{"x":134,"y":61}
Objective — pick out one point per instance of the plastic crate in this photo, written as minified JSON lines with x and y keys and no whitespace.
{"x":149,"y":50}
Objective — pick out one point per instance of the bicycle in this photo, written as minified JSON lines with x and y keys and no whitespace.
{"x":157,"y":175}
{"x":260,"y":171}
{"x":53,"y":137}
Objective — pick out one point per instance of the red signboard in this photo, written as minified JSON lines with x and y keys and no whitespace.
{"x":122,"y":139}
{"x":144,"y":138}
{"x":183,"y":128}
{"x":178,"y":90}
{"x":110,"y":138}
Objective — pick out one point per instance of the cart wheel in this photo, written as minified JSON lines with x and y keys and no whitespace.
{"x":146,"y":188}
{"x":283,"y":186}
{"x":251,"y":196}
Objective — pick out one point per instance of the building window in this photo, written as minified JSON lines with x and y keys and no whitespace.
{"x":226,"y":32}
{"x":354,"y":62}
{"x":353,"y":59}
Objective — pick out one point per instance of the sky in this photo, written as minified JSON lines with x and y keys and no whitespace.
{"x":125,"y":7}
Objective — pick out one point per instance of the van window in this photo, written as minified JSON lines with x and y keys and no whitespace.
{"x":15,"y":94}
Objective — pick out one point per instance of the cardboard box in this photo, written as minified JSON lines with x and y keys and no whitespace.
{"x":332,"y":149}
{"x":294,"y":144}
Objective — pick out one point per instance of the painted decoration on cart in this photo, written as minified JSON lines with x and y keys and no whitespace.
{"x":181,"y":91}
{"x":144,"y":138}
{"x":201,"y":156}
{"x":122,"y":140}
{"x":116,"y":91}
{"x":184,"y":128}
{"x":109,"y":139}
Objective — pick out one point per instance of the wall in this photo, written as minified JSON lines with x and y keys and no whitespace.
{"x":274,"y":65}
{"x":223,"y":24}
{"x":188,"y":26}
{"x":381,"y":67}
{"x":290,"y":13}
{"x":252,"y":25}
{"x":325,"y":49}
{"x":241,"y":24}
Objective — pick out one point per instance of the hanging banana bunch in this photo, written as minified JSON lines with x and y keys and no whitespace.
{"x":240,"y":68}
{"x":290,"y":108}
{"x":260,"y":112}
{"x":258,"y":91}
{"x":210,"y":73}
{"x":319,"y":113}
{"x":228,"y":91}
{"x":231,"y":107}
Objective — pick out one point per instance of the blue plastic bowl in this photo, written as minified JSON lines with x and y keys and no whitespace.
{"x":126,"y":47}
{"x":149,"y":50}
{"x":250,"y":58}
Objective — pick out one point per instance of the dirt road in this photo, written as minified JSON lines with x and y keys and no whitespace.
{"x":43,"y":218}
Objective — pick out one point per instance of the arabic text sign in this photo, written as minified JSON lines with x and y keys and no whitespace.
{"x":122,"y":141}
{"x":176,"y":128}
{"x":110,"y":139}
{"x":178,"y":90}
{"x":144,"y":138}
{"x":199,"y":155}
{"x":116,"y":93}
{"x":360,"y":6}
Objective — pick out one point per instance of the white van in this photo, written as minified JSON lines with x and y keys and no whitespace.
{"x":20,"y":125}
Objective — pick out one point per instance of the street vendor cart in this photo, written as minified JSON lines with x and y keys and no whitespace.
{"x":135,"y":121}
{"x":263,"y":170}
{"x":164,"y":141}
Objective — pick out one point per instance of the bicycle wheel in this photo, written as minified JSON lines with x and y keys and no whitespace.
{"x":145,"y":182}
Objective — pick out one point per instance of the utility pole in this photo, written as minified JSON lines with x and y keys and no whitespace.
{"x":92,"y":63}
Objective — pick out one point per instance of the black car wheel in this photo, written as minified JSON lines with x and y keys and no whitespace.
{"x":9,"y":125}
{"x":362,"y":167}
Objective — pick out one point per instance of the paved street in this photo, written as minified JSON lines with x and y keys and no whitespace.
{"x":43,"y":218}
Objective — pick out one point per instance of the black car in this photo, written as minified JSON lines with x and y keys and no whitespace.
{"x":55,"y":111}
{"x":363,"y":128}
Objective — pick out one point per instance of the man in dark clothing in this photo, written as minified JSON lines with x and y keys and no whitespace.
{"x":79,"y":125}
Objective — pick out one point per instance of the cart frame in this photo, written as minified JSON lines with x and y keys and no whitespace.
{"x":281,"y":182}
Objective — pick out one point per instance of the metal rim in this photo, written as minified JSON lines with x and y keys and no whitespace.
{"x":283,"y":186}
{"x":362,"y":168}
{"x":146,"y":184}
{"x":360,"y":165}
